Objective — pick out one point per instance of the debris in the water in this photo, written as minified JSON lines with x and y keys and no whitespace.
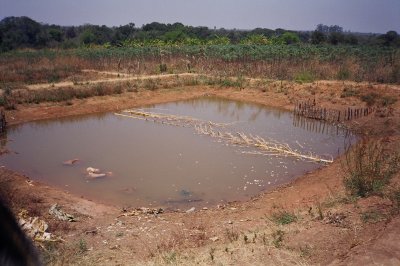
{"x":71,"y":162}
{"x":191,"y":210}
{"x":92,"y":170}
{"x":95,"y":173}
{"x":61,"y":215}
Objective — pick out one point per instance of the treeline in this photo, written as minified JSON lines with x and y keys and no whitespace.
{"x":23,"y":32}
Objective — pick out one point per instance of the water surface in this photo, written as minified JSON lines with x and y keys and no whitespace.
{"x":155,"y":164}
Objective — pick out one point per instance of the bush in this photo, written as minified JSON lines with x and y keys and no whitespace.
{"x":284,"y":217}
{"x":369,"y":98}
{"x":349,"y":92}
{"x":304,"y":77}
{"x":369,"y":167}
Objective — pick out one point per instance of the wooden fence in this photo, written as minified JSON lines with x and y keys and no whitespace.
{"x":3,"y":122}
{"x":311,"y":110}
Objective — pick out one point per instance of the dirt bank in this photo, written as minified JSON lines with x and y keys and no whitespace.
{"x":326,"y":226}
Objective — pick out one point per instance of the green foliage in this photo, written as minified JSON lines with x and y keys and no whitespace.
{"x":369,"y":167}
{"x":284,"y":217}
{"x":21,"y":32}
{"x":289,"y":38}
{"x":82,"y":246}
{"x":318,"y":37}
{"x":256,"y":39}
{"x":304,"y":77}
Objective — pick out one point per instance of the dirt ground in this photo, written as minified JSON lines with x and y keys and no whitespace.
{"x":326,"y":225}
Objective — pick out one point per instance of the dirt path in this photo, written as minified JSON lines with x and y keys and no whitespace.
{"x":121,"y":78}
{"x":328,"y":226}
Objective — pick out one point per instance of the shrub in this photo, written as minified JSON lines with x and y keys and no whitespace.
{"x":284,"y":217}
{"x":304,"y":77}
{"x":388,"y":100}
{"x":349,"y":92}
{"x":369,"y":167}
{"x":343,"y":73}
{"x":278,"y":238}
{"x":369,"y":98}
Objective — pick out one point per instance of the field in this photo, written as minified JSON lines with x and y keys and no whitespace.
{"x":346,"y":212}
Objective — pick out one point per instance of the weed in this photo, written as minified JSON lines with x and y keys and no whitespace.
{"x":320,"y":212}
{"x":277,"y":237}
{"x":369,"y":167}
{"x":304,"y":77}
{"x":170,"y":258}
{"x":343,"y":74}
{"x":371,"y":217}
{"x":305,"y":251}
{"x":349,"y":92}
{"x":82,"y":246}
{"x":231,"y":235}
{"x":150,"y":84}
{"x":394,"y":197}
{"x":245,"y":239}
{"x":162,"y":68}
{"x":212,"y":253}
{"x":284,"y":217}
{"x":369,"y":98}
{"x":388,"y":100}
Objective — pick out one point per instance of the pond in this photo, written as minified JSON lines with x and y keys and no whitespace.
{"x":198,"y":152}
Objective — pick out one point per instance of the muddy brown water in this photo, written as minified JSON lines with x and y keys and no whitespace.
{"x":155,"y":164}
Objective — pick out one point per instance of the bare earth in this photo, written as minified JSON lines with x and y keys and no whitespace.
{"x":329,"y":228}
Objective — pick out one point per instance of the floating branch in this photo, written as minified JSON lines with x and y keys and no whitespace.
{"x":209,"y":128}
{"x":266,"y":147}
{"x":168,"y":118}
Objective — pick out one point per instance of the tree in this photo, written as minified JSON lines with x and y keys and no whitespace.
{"x":19,"y":32}
{"x":289,"y":38}
{"x":318,"y":37}
{"x":390,"y":38}
{"x":55,"y":34}
{"x":336,"y":38}
{"x":87,"y":37}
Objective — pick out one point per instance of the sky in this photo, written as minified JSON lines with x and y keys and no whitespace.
{"x":378,"y":16}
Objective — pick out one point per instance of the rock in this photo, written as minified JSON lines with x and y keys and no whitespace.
{"x":191,"y":210}
{"x":56,"y":211}
{"x":215,"y":238}
{"x":230,"y":222}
